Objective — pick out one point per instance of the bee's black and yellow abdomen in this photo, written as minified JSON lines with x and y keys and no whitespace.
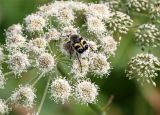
{"x":77,"y":43}
{"x":80,"y":45}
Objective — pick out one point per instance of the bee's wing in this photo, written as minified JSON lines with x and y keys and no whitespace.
{"x":68,"y":47}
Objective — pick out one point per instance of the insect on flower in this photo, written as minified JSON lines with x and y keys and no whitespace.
{"x":76,"y":45}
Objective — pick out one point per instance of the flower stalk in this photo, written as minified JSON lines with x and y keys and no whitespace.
{"x":44,"y":96}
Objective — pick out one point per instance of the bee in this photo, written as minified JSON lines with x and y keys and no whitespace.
{"x":76,"y":45}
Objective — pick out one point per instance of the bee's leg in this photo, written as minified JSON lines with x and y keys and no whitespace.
{"x":79,"y":61}
{"x":92,"y":49}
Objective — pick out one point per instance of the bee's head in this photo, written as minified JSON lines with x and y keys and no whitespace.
{"x":75,"y":38}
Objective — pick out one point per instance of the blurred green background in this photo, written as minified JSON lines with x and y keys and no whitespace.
{"x":129,"y":98}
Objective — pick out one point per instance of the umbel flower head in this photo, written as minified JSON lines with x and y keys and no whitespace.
{"x":37,"y":45}
{"x":95,"y":25}
{"x":45,"y":62}
{"x":34,"y":22}
{"x":119,"y":22}
{"x":86,"y":92}
{"x":143,"y":68}
{"x":99,"y":64}
{"x":52,"y":34}
{"x":102,"y":11}
{"x":60,"y":90}
{"x":14,"y":37}
{"x":109,"y":45}
{"x":148,"y":35}
{"x":23,"y":96}
{"x":14,"y":29}
{"x":18,"y":62}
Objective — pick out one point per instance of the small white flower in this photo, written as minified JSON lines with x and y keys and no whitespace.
{"x":34,"y":23}
{"x":23,"y":96}
{"x":99,"y":64}
{"x":2,"y":80}
{"x":95,"y":25}
{"x":60,"y":90}
{"x":4,"y":109}
{"x":109,"y":45}
{"x":80,"y":69}
{"x":52,"y":34}
{"x":143,"y":68}
{"x":18,"y":62}
{"x":37,"y":45}
{"x":45,"y":62}
{"x":86,"y":92}
{"x":69,"y":30}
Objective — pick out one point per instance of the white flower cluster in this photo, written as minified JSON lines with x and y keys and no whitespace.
{"x":35,"y":23}
{"x":60,"y":90}
{"x":14,"y":37}
{"x":23,"y":96}
{"x":45,"y":62}
{"x":143,"y":68}
{"x":138,"y":5}
{"x":52,"y":34}
{"x":18,"y":62}
{"x":119,"y":22}
{"x":148,"y":35}
{"x":109,"y":45}
{"x":86,"y":91}
{"x":95,"y":25}
{"x":100,"y":11}
{"x":37,"y":45}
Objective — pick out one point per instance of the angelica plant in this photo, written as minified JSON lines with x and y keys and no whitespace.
{"x":37,"y":44}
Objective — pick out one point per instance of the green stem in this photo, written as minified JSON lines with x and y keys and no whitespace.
{"x":8,"y":73}
{"x":34,"y":83}
{"x":62,"y":70}
{"x":50,"y":49}
{"x":97,"y":109}
{"x":44,"y":96}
